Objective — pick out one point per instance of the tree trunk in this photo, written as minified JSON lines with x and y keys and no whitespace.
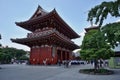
{"x":95,"y":64}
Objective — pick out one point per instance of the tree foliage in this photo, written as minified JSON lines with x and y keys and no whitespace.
{"x":5,"y":58}
{"x":112,"y":33}
{"x":6,"y":54}
{"x":100,"y":12}
{"x":24,"y":57}
{"x":94,"y":46}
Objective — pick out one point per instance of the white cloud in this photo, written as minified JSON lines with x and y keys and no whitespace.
{"x":78,"y":41}
{"x":117,"y":20}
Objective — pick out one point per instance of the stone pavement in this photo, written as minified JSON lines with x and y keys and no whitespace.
{"x":25,"y":72}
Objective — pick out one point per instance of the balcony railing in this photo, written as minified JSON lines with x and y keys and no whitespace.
{"x":47,"y":32}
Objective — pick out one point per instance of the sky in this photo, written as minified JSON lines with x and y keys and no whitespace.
{"x":73,"y":12}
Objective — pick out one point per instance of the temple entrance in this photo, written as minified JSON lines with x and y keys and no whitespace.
{"x":67,"y":56}
{"x":48,"y":37}
{"x":63,"y":55}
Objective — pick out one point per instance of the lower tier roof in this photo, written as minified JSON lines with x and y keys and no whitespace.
{"x":51,"y":38}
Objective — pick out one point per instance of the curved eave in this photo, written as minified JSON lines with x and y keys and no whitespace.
{"x":91,"y":28}
{"x":68,"y":28}
{"x":68,"y":42}
{"x":25,"y":24}
{"x":117,"y":53}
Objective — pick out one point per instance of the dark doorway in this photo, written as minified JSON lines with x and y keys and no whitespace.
{"x":67,"y":55}
{"x":59,"y":54}
{"x":63,"y":55}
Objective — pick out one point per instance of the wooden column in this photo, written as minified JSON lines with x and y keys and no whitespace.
{"x":68,"y":55}
{"x":65,"y":55}
{"x":61,"y":55}
{"x":30,"y":60}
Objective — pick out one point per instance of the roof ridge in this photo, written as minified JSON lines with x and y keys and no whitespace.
{"x":39,"y":12}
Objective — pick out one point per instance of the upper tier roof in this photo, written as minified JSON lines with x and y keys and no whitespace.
{"x":42,"y":15}
{"x":39,"y":12}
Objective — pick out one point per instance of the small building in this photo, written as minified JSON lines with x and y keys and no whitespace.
{"x":0,"y":36}
{"x":117,"y":51}
{"x":50,"y":37}
{"x":91,"y":28}
{"x":114,"y":61}
{"x":0,"y":43}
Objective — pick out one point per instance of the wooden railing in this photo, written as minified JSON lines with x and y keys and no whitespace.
{"x":47,"y":32}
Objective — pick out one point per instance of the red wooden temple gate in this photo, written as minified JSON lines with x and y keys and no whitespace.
{"x":50,"y":37}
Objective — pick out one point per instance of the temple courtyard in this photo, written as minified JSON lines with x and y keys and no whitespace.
{"x":27,"y":72}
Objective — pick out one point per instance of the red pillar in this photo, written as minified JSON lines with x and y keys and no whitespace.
{"x":66,"y":55}
{"x":61,"y":56}
{"x":30,"y":60}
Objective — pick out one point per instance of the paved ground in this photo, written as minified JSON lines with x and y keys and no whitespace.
{"x":23,"y":72}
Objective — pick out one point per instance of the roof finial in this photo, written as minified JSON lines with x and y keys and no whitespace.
{"x":0,"y":36}
{"x":91,"y":22}
{"x":39,"y":6}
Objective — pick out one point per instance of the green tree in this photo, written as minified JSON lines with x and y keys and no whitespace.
{"x":5,"y":58}
{"x":112,"y":33}
{"x":15,"y":53}
{"x":24,"y":57}
{"x":95,"y":47}
{"x":6,"y":54}
{"x":100,"y":12}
